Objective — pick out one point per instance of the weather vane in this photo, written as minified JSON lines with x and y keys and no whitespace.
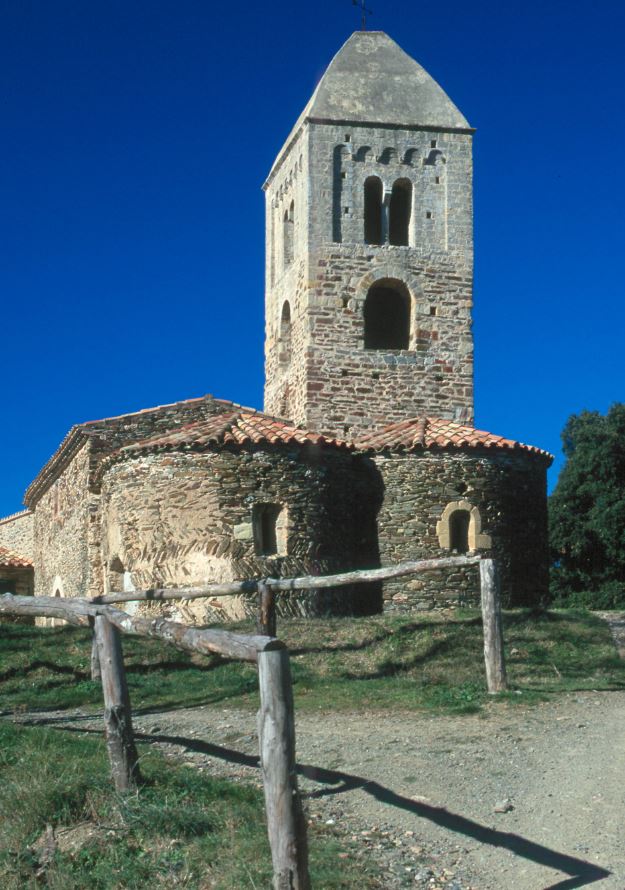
{"x":364,"y":12}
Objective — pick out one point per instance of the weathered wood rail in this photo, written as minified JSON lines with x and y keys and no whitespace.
{"x":286,"y":824}
{"x":267,"y":589}
{"x":285,"y":821}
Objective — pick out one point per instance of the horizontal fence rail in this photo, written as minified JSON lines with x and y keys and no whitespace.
{"x":192,"y":639}
{"x":282,"y":585}
{"x":286,"y":824}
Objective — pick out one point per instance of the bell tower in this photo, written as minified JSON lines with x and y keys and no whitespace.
{"x":369,"y":250}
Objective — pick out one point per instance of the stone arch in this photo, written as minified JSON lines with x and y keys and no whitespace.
{"x":476,"y":539}
{"x":364,"y":153}
{"x":410,"y":155}
{"x":434,"y":157}
{"x":57,"y":590}
{"x":391,"y":272}
{"x":388,"y":154}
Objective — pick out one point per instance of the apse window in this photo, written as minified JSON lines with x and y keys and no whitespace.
{"x":459,"y":522}
{"x":387,"y":317}
{"x":270,"y":529}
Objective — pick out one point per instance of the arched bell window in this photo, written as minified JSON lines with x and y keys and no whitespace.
{"x":373,"y":210}
{"x":400,"y":210}
{"x":387,"y":316}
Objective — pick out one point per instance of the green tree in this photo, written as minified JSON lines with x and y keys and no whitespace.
{"x":587,"y":512}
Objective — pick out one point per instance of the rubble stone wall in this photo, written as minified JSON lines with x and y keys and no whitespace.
{"x":61,"y":519}
{"x":509,"y":490}
{"x":16,"y":533}
{"x":185,"y":519}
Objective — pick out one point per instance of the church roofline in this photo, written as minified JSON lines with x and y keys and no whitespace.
{"x":236,"y":428}
{"x":80,"y":433}
{"x":13,"y":516}
{"x":9,"y":558}
{"x":431,"y":433}
{"x":371,"y":81}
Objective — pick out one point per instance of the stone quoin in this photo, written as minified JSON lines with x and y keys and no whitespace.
{"x":365,"y":453}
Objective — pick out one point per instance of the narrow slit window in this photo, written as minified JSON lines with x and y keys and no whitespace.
{"x":270,"y":529}
{"x":288,"y":224}
{"x":284,"y":348}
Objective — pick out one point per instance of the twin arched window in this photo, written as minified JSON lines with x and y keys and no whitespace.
{"x":392,"y":223}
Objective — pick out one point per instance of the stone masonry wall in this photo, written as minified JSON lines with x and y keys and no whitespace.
{"x":61,"y":555}
{"x":332,"y":383}
{"x":183,"y":519}
{"x":510,"y":492}
{"x":16,"y":533}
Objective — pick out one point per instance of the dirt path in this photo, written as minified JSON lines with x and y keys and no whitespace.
{"x":422,"y":792}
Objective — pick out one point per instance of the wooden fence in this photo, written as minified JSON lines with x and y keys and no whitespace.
{"x":268,"y":588}
{"x":276,"y":726}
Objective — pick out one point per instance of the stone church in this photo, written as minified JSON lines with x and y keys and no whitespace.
{"x":365,"y":454}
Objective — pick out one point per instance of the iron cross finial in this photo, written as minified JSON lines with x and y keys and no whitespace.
{"x":364,"y":12}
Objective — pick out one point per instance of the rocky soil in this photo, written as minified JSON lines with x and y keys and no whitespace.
{"x":519,"y":798}
{"x":515,"y":798}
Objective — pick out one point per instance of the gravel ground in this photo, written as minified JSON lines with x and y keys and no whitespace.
{"x":515,"y":798}
{"x":519,"y":798}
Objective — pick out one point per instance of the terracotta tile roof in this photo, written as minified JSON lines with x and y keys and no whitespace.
{"x":246,"y":427}
{"x":435,"y":432}
{"x":14,"y":560}
{"x":80,"y":433}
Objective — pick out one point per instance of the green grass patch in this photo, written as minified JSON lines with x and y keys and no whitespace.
{"x":182,"y":829}
{"x":414,"y":662}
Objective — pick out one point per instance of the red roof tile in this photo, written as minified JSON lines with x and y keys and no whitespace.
{"x":14,"y":560}
{"x":435,"y":432}
{"x":245,"y":427}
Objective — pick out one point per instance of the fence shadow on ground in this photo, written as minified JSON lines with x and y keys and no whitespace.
{"x":581,"y":873}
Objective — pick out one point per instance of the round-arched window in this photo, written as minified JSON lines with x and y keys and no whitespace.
{"x":387,"y":317}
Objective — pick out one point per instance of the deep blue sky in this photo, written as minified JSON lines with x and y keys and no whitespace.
{"x":135,"y":139}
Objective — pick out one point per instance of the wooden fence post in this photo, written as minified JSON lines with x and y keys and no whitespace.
{"x":493,"y":631}
{"x":117,"y":714}
{"x":266,"y":622}
{"x":95,"y":658}
{"x":286,"y":823}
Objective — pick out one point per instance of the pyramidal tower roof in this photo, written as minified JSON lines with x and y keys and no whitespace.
{"x":372,"y":80}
